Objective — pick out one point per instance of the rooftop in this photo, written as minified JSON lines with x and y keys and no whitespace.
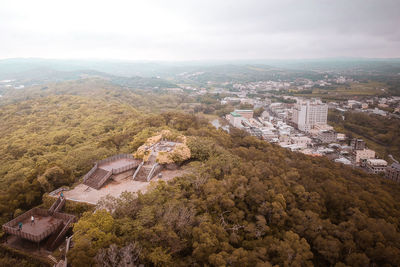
{"x":234,"y":114}
{"x":243,"y":110}
{"x":395,"y":165}
{"x":377,"y":162}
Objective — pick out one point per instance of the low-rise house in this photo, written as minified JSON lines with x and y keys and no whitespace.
{"x":353,"y":104}
{"x":325,"y":150}
{"x":327,"y":136}
{"x":301,"y":141}
{"x":268,"y":134}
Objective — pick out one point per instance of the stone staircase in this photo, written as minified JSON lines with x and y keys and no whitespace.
{"x":95,"y":178}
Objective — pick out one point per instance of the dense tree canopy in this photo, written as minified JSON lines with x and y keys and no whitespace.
{"x":250,"y":203}
{"x":244,"y":202}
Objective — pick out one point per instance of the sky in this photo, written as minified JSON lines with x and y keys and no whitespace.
{"x":175,"y":30}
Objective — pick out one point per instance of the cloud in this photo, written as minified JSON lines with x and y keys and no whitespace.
{"x":187,"y":30}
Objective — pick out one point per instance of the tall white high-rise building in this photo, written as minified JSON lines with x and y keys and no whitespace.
{"x":308,"y":113}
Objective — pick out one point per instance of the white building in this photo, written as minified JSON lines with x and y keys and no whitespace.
{"x":301,"y":141}
{"x":235,"y":119}
{"x":376,"y":165}
{"x":308,"y":113}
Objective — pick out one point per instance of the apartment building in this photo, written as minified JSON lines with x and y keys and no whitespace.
{"x":308,"y":113}
{"x":235,"y":119}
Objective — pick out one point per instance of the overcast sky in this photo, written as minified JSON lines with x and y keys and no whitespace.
{"x":199,"y":30}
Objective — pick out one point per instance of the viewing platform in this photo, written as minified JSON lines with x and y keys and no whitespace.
{"x":109,"y":168}
{"x":50,"y":224}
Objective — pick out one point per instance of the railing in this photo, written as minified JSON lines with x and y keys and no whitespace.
{"x":59,"y":207}
{"x":11,"y":228}
{"x":61,"y":234}
{"x":29,"y":236}
{"x":66,"y":251}
{"x":50,"y":240}
{"x":104,"y":179}
{"x":152,"y":172}
{"x":87,"y":175}
{"x":113,"y":158}
{"x":110,"y":159}
{"x":54,"y":206}
{"x":27,"y":214}
{"x":58,"y":190}
{"x":137,"y":170}
{"x":63,"y":216}
{"x":124,"y":168}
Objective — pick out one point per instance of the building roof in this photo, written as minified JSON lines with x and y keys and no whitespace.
{"x":395,"y":165}
{"x":234,"y":114}
{"x":243,"y":110}
{"x":343,"y":161}
{"x":377,"y":162}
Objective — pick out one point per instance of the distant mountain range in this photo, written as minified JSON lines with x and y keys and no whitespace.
{"x":29,"y":71}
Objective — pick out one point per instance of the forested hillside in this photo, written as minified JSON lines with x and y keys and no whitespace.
{"x":248,"y":203}
{"x":245,"y":202}
{"x":380,"y":133}
{"x":50,"y":136}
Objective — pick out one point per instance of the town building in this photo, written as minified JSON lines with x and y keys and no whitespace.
{"x":308,"y":113}
{"x":376,"y":165}
{"x":300,"y":141}
{"x":393,"y":172}
{"x":357,"y":144}
{"x":353,"y":104}
{"x":235,"y":119}
{"x":327,"y":136}
{"x":245,"y":113}
{"x":340,"y":137}
{"x":363,"y":155}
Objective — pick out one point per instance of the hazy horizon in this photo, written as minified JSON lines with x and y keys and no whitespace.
{"x":199,"y":31}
